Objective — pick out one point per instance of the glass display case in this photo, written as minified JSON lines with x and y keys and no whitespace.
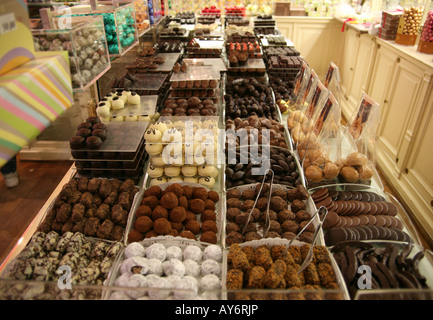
{"x":120,"y":25}
{"x":85,"y":41}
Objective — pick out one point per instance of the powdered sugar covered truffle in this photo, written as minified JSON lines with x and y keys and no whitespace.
{"x":213,"y":252}
{"x":192,"y":252}
{"x":156,"y":250}
{"x":155,"y":266}
{"x":174,"y":252}
{"x":210,"y":266}
{"x":174,"y":267}
{"x":192,"y":268}
{"x":134,"y":249}
{"x":210,"y":282}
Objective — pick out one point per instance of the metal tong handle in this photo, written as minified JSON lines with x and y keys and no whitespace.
{"x":267,"y":223}
{"x":309,"y":256}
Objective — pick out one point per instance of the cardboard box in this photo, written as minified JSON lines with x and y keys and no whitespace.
{"x":282,"y":8}
{"x":300,"y":11}
{"x":15,"y":36}
{"x":32,"y":96}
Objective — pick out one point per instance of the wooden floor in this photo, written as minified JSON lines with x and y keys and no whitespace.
{"x":19,"y":206}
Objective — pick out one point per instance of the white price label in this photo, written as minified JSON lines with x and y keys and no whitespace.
{"x":7,"y":23}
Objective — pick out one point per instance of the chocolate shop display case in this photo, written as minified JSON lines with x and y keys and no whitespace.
{"x":85,"y":41}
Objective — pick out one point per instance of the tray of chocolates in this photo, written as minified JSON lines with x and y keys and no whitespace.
{"x":122,"y":142}
{"x":165,"y":210}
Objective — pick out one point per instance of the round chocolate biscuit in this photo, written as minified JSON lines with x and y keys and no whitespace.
{"x":345,"y":207}
{"x":363,"y":220}
{"x":324,"y":203}
{"x":335,"y":235}
{"x":393,"y":236}
{"x":367,"y":229}
{"x":319,"y":194}
{"x":375,"y":232}
{"x":379,"y":208}
{"x":373,"y":209}
{"x":399,"y":224}
{"x":333,"y":194}
{"x":356,"y":222}
{"x":401,"y":235}
{"x":331,"y":220}
{"x":380,"y":221}
{"x":357,"y":196}
{"x":358,"y":208}
{"x":388,"y":220}
{"x":362,"y":233}
{"x":365,"y":196}
{"x":341,"y":222}
{"x":366,"y":208}
{"x":349,"y":222}
{"x":382,"y":233}
{"x":392,"y":209}
{"x":371,"y":220}
{"x":355,"y":231}
{"x":337,"y":206}
{"x":344,"y":195}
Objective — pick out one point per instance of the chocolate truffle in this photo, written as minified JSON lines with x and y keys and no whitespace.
{"x":197,"y":206}
{"x":187,"y":234}
{"x":177,"y":214}
{"x":77,"y":142}
{"x":162,"y":226}
{"x":135,"y":236}
{"x":193,"y":226}
{"x":209,"y":225}
{"x":143,"y":224}
{"x":153,"y":191}
{"x":209,"y":237}
{"x":169,"y":200}
{"x":93,"y":142}
{"x":159,"y":212}
{"x":150,"y":201}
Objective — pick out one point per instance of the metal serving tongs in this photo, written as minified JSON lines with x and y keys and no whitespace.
{"x":323,"y":212}
{"x":267,"y":220}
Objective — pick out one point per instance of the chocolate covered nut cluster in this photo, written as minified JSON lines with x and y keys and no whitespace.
{"x":271,"y":267}
{"x":96,"y":207}
{"x":89,"y":261}
{"x":287,"y":214}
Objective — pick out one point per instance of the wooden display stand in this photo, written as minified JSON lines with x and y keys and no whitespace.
{"x":405,"y":39}
{"x":425,"y":47}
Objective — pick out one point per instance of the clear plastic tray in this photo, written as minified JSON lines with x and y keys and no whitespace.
{"x":146,"y":107}
{"x":122,"y":137}
{"x":218,"y":210}
{"x":197,"y":73}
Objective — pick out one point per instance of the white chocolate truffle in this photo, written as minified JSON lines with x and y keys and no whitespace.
{"x":117,"y":103}
{"x":157,"y":161}
{"x":144,"y":119}
{"x":189,"y":171}
{"x":190,"y":179}
{"x":131,"y":118}
{"x":106,"y":102}
{"x":210,"y":282}
{"x":152,"y":135}
{"x":156,"y":250}
{"x":134,"y":249}
{"x":155,"y":266}
{"x":153,"y":148}
{"x":134,"y":98}
{"x":155,"y":172}
{"x":192,"y":268}
{"x":207,"y":181}
{"x":158,"y":181}
{"x":192,"y":252}
{"x":210,"y":266}
{"x":206,"y":171}
{"x":161,"y":126}
{"x":122,"y":97}
{"x":117,"y":118}
{"x":102,"y":110}
{"x":172,"y":171}
{"x":174,"y":267}
{"x":105,"y":119}
{"x":126,"y":93}
{"x":174,"y":252}
{"x":172,"y":135}
{"x":175,"y":179}
{"x":214,"y":252}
